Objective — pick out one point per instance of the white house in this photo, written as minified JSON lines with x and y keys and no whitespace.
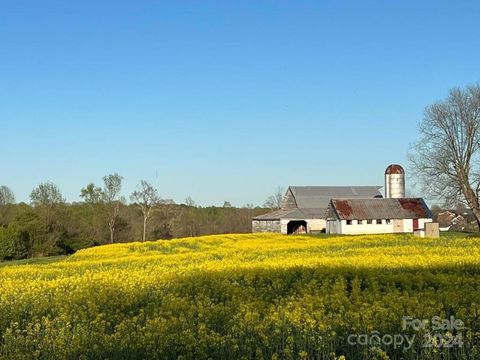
{"x":377,"y":216}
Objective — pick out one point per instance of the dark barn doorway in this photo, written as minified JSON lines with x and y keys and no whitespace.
{"x":297,"y":227}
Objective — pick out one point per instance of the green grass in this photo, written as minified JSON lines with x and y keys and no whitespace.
{"x":34,"y":261}
{"x":458,"y":234}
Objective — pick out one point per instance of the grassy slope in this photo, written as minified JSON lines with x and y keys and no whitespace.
{"x":37,"y":261}
{"x":52,"y":259}
{"x":249,"y":293}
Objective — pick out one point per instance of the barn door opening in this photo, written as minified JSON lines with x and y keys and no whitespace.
{"x":297,"y":227}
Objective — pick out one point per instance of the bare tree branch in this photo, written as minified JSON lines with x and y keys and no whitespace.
{"x":275,"y":201}
{"x":446,"y":158}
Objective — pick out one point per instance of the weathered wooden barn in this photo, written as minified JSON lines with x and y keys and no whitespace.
{"x":377,"y":216}
{"x":304,"y":208}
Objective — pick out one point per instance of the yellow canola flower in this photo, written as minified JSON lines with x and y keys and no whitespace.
{"x":263,"y":294}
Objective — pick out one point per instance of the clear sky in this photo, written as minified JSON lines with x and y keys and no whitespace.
{"x":222,"y":100}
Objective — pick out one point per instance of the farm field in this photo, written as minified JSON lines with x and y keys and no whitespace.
{"x":252,"y":296}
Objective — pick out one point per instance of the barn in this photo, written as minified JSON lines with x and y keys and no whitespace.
{"x":377,"y":216}
{"x":304,"y":208}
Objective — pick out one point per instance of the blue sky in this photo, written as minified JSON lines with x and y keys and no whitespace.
{"x":222,"y":100}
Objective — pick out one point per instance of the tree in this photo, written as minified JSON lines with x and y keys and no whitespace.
{"x":109,"y":197}
{"x":6,"y":195}
{"x":46,"y":194}
{"x":96,"y":212}
{"x":92,"y":194}
{"x":112,"y":186}
{"x":227,"y":204}
{"x":275,"y":201}
{"x":147,"y":199}
{"x":7,"y":243}
{"x":32,"y":235}
{"x":446,"y":157}
{"x":47,"y":197}
{"x":189,"y":202}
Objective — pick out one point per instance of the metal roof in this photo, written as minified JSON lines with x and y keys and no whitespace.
{"x":294,"y":214}
{"x":394,"y":169}
{"x":315,"y":197}
{"x":312,"y":201}
{"x":365,"y":209}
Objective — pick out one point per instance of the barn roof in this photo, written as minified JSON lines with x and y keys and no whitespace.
{"x":365,"y":209}
{"x":311,"y":197}
{"x":312,"y":201}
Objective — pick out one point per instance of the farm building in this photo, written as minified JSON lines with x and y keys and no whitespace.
{"x":304,"y":208}
{"x":350,"y":210}
{"x":377,"y":216}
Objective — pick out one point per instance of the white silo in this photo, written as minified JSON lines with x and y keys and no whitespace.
{"x":394,"y":182}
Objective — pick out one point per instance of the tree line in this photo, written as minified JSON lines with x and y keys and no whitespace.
{"x":48,"y":225}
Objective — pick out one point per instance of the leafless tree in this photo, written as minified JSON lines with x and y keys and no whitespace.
{"x":446,"y":158}
{"x":147,"y":199}
{"x":111,"y":196}
{"x":275,"y":201}
{"x":6,"y":195}
{"x":189,"y":202}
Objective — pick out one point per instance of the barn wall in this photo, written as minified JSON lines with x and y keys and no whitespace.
{"x":357,"y":229}
{"x":313,"y":225}
{"x":395,"y":226}
{"x":334,"y":227}
{"x":316,"y":225}
{"x":398,"y":225}
{"x":289,"y":200}
{"x":337,"y":227}
{"x":266,"y":226}
{"x":421,"y":222}
{"x":408,"y":225}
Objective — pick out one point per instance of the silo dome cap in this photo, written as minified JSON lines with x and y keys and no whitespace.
{"x":394,"y":169}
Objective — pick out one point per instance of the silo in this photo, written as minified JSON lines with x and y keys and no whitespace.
{"x":394,"y":182}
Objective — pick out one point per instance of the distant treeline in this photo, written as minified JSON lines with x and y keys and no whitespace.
{"x":30,"y":231}
{"x":50,"y":226}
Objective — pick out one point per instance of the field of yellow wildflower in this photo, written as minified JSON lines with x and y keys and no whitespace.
{"x":253,"y":296}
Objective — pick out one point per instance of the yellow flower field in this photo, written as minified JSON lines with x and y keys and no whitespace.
{"x":264,"y":296}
